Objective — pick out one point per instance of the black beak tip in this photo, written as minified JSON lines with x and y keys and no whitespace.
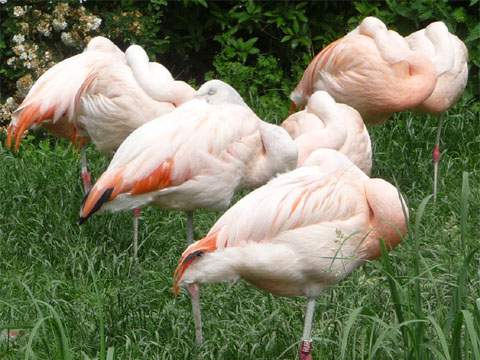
{"x":81,"y":220}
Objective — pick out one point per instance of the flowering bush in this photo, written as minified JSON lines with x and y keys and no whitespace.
{"x":34,"y":45}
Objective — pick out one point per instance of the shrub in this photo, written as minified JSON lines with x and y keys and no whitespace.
{"x":259,"y":47}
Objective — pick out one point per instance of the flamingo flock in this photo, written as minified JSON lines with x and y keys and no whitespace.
{"x":315,"y":214}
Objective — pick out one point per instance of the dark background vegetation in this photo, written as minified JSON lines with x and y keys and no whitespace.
{"x":261,"y":47}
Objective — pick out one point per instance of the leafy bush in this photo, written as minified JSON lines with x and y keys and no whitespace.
{"x":257,"y":46}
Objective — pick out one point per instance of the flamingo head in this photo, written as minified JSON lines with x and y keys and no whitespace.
{"x":217,"y":92}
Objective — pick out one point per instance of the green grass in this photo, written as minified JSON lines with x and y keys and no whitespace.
{"x":77,"y":295}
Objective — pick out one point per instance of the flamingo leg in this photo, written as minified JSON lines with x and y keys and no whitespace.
{"x":194,"y":291}
{"x":84,"y":173}
{"x":189,"y":227}
{"x":306,"y":344}
{"x":436,"y":158}
{"x":136,"y":219}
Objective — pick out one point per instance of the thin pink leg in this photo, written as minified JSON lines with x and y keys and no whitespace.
{"x":136,"y":219}
{"x":194,"y":291}
{"x":85,"y":174}
{"x":306,"y":347}
{"x":436,"y":158}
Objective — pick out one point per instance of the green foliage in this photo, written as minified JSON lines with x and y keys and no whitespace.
{"x":192,"y":37}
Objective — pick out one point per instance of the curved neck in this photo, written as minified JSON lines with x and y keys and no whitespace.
{"x":158,"y":83}
{"x":335,"y":132}
{"x":279,"y":155}
{"x":389,"y":216}
{"x":438,"y":34}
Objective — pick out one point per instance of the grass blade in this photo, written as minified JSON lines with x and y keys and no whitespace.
{"x":348,"y":326}
{"x":464,"y":208}
{"x":455,"y":318}
{"x":62,"y":340}
{"x":441,"y":337}
{"x":472,"y":333}
{"x":419,"y":328}
{"x":392,"y":285}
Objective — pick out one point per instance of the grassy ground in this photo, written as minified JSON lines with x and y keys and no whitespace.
{"x":74,"y":290}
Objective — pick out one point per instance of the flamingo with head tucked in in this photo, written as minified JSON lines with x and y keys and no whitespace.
{"x":449,"y":56}
{"x":300,"y":233}
{"x":195,"y":157}
{"x":371,"y":69}
{"x":327,"y":124}
{"x":100,"y":95}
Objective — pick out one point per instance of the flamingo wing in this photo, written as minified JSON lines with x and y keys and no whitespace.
{"x":56,"y":94}
{"x":193,"y":151}
{"x":304,"y":205}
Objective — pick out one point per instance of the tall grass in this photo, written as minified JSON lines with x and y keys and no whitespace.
{"x":73,"y":292}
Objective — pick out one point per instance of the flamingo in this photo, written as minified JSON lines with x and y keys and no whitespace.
{"x":371,"y":69}
{"x":327,"y":124}
{"x":300,"y":233}
{"x":100,"y":95}
{"x":195,"y":157}
{"x":449,"y":56}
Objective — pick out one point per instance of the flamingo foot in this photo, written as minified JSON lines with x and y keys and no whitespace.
{"x":306,"y":350}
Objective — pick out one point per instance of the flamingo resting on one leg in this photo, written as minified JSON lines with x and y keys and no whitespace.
{"x":299,"y":234}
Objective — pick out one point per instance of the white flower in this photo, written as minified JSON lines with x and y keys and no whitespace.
{"x":18,"y":49}
{"x":18,"y":38}
{"x":10,"y":61}
{"x":9,"y":100}
{"x":3,"y":1}
{"x":67,"y":39}
{"x":96,"y":23}
{"x":59,"y":25}
{"x":23,"y":56}
{"x":18,"y":11}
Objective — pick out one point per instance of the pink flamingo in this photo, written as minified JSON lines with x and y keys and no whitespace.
{"x":449,"y":56}
{"x":100,"y":95}
{"x":299,"y":234}
{"x":371,"y":69}
{"x":327,"y":124}
{"x":194,"y":157}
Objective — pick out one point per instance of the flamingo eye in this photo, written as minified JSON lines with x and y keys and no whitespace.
{"x":212,"y":91}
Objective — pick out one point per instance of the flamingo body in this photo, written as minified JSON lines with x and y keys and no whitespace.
{"x":449,"y":56}
{"x":327,"y":124}
{"x":194,"y":157}
{"x":370,"y":69}
{"x":300,"y":233}
{"x":93,"y":95}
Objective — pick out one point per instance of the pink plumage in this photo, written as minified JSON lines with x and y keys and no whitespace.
{"x":371,"y":69}
{"x":300,"y":233}
{"x":327,"y":124}
{"x":100,"y":94}
{"x":449,"y":56}
{"x":194,"y":157}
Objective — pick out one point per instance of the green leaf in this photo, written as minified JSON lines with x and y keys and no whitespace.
{"x":474,"y":34}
